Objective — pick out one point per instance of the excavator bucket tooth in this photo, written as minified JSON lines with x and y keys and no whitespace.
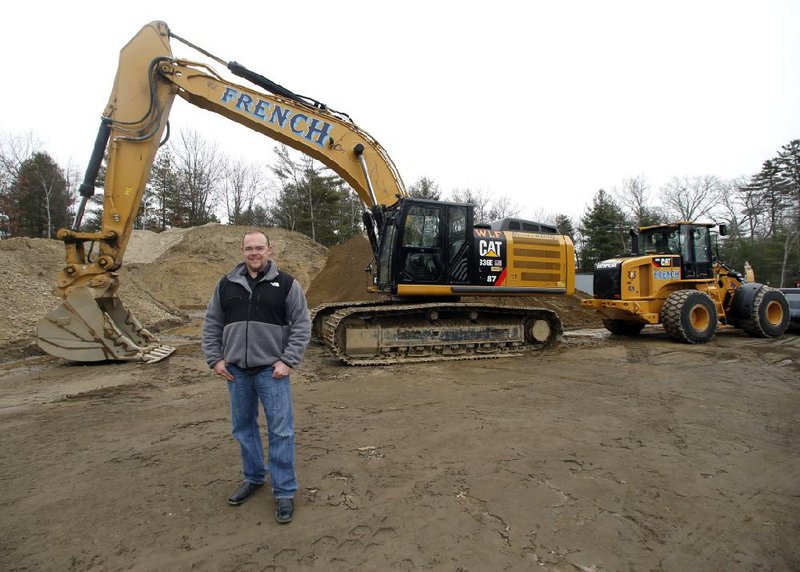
{"x":86,"y":329}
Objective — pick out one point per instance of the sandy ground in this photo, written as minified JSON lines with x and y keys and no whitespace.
{"x":601,"y":455}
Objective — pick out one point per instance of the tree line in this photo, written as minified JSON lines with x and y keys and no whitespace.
{"x":192,"y":183}
{"x":761,"y":213}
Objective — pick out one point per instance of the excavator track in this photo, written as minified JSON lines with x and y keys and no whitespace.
{"x":394,"y":334}
{"x":320,"y":314}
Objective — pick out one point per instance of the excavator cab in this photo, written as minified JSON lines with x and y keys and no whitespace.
{"x":430,"y":245}
{"x":414,"y":249}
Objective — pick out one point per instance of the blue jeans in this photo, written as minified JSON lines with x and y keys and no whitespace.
{"x":248,"y":387}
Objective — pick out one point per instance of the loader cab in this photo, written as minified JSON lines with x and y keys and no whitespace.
{"x":425,"y":243}
{"x":691,"y":241}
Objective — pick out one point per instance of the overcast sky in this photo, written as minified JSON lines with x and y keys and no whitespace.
{"x":544,"y":102}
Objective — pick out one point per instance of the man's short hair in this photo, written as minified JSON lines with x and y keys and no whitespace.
{"x":255,"y":231}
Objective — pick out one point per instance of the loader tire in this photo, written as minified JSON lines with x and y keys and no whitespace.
{"x":689,"y":316}
{"x":623,"y":327}
{"x":769,"y":317}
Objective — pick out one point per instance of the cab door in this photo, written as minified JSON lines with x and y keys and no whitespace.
{"x":421,"y":259}
{"x":696,"y":252}
{"x":459,"y":243}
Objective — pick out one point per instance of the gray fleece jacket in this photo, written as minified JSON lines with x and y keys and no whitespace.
{"x":256,"y":327}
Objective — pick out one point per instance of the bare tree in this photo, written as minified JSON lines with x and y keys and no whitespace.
{"x":14,"y":151}
{"x":479,"y":200}
{"x":242,"y":185}
{"x":542,"y":215}
{"x":752,"y":207}
{"x":485,"y":208}
{"x":635,"y":198}
{"x":502,"y":208}
{"x":199,"y":166}
{"x":690,"y":198}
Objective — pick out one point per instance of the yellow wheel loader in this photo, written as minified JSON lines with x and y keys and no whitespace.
{"x":672,"y":278}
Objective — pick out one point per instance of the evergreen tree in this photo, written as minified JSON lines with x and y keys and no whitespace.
{"x":603,"y":229}
{"x":163,"y":187}
{"x":312,"y":200}
{"x":768,"y":185}
{"x":425,"y":188}
{"x":564,"y":226}
{"x":255,"y":216}
{"x":37,"y":202}
{"x":788,"y":162}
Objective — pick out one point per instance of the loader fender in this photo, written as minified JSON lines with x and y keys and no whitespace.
{"x":743,"y":299}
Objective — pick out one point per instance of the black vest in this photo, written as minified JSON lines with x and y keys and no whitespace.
{"x":266,"y":304}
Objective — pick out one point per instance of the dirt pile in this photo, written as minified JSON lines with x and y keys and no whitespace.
{"x":29,"y":269}
{"x":572,"y":314}
{"x":145,"y":245}
{"x":162,"y":274}
{"x":344,"y":278}
{"x":187,"y":271}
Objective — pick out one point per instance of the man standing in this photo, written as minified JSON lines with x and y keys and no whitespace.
{"x":255,"y":331}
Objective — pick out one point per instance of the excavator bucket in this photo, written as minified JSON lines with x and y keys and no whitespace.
{"x":86,"y":329}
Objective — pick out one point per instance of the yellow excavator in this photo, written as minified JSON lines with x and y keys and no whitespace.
{"x":428,"y":254}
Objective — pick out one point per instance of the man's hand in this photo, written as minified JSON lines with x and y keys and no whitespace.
{"x":220,"y":369}
{"x":280,"y":370}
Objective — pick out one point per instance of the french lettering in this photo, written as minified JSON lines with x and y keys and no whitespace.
{"x":281,"y":114}
{"x":244,"y":102}
{"x":295,"y":120}
{"x":261,"y":109}
{"x":229,"y":94}
{"x":322,"y":133}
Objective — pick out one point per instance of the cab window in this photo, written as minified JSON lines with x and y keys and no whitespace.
{"x":700,"y":240}
{"x":422,"y":227}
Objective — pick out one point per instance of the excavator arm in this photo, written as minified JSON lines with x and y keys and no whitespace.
{"x":91,"y":324}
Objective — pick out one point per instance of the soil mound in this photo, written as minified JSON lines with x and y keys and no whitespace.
{"x":185,"y":273}
{"x":29,"y":269}
{"x":145,"y":245}
{"x":573,"y":315}
{"x":162,"y":273}
{"x":344,"y":277}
